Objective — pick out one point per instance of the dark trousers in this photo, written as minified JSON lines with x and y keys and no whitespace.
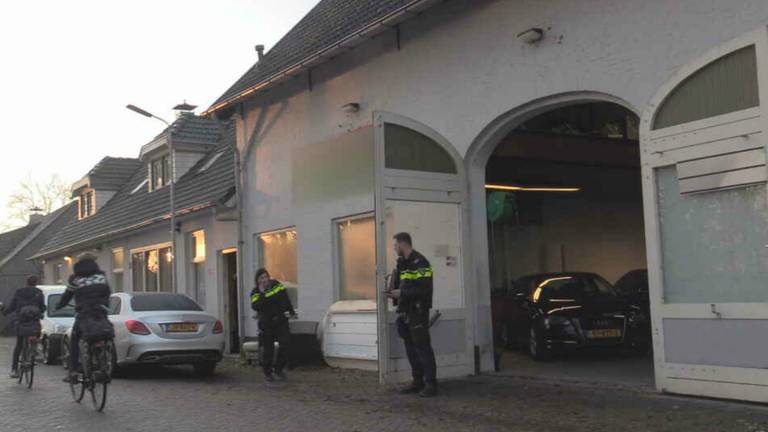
{"x":74,"y":347}
{"x":280,"y":333}
{"x":414,"y":330}
{"x":17,"y":352}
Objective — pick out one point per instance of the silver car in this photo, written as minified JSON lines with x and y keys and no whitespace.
{"x":165,"y":329}
{"x":54,"y":324}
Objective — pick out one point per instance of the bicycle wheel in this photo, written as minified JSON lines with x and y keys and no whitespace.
{"x":23,"y":360}
{"x":29,"y":377}
{"x":77,"y":388}
{"x":99,"y":377}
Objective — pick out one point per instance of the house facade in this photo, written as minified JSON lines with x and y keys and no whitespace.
{"x":18,"y":244}
{"x":123,"y":218}
{"x":372,"y":117}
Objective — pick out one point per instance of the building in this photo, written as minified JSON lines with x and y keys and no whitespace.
{"x":623,"y":132}
{"x":18,"y":244}
{"x":124,"y":219}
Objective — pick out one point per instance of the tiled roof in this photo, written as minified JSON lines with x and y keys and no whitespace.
{"x":111,"y":173}
{"x":194,"y":129}
{"x":326,"y":24}
{"x":9,"y":240}
{"x":128,"y":210}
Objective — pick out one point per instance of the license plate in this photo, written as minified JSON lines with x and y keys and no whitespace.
{"x":182,"y":328}
{"x":604,"y":334}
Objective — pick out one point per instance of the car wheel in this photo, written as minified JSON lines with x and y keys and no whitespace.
{"x":65,"y":353}
{"x":537,"y":346}
{"x":204,"y":368}
{"x":44,"y":350}
{"x":116,"y":370}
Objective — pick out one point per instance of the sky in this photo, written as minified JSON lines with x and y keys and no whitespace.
{"x":69,"y":68}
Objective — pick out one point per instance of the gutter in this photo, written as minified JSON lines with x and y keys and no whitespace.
{"x":328,"y":53}
{"x":113,"y":233}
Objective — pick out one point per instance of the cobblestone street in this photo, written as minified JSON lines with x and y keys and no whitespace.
{"x":322,"y":399}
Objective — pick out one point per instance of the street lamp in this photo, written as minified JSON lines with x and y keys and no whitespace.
{"x":169,"y":140}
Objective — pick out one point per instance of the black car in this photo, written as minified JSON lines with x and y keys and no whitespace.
{"x":569,"y":311}
{"x":633,"y":286}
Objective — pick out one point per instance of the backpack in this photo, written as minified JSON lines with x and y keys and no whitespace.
{"x":95,"y":328}
{"x":29,"y":313}
{"x":28,"y":328}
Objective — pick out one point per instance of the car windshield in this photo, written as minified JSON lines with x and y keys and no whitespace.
{"x":67,"y":311}
{"x":163,"y":302}
{"x":571,"y":288}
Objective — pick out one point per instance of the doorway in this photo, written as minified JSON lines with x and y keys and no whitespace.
{"x":232,"y":301}
{"x":566,"y":247}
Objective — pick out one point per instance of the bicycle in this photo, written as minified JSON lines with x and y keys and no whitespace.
{"x":96,"y":361}
{"x":27,"y":361}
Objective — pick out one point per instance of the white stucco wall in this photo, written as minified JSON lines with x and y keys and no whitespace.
{"x":460,"y":68}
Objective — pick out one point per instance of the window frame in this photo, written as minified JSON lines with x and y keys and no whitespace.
{"x":337,"y":255}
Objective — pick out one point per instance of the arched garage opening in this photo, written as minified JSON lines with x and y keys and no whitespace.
{"x":563,"y":212}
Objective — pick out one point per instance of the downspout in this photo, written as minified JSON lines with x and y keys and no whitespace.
{"x":239,"y":186}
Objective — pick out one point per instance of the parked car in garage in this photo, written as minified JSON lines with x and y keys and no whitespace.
{"x":165,"y":329}
{"x":633,"y":286}
{"x":550,"y":313}
{"x":54,"y":324}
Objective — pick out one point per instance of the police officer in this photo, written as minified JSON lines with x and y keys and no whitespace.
{"x":411,"y":291}
{"x":270,"y":299}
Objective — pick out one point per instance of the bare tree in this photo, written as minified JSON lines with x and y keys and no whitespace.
{"x":45,"y":195}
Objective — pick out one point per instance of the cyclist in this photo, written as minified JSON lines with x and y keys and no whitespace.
{"x":88,"y":286}
{"x":28,"y":303}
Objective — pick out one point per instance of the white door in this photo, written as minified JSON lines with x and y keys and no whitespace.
{"x":704,"y":174}
{"x":419,"y":190}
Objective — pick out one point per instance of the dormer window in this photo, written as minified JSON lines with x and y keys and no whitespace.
{"x":159,"y":172}
{"x":87,"y":205}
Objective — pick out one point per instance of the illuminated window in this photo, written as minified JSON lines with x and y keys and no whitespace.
{"x":160,"y":172}
{"x":278,"y":255}
{"x":152,"y":269}
{"x":357,"y":258}
{"x":87,"y":204}
{"x":198,"y":246}
{"x":197,"y":270}
{"x":118,"y":266}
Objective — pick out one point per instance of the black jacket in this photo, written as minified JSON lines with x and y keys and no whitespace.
{"x":88,"y":286}
{"x":272,"y":304}
{"x":413,"y":277}
{"x":27,"y":296}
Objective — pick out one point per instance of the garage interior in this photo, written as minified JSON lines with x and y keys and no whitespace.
{"x":564,"y":195}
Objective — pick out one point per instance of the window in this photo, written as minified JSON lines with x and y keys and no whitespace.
{"x":152,"y":270}
{"x":163,"y":302}
{"x":118,"y":265}
{"x":406,"y":149}
{"x":87,"y":204}
{"x":197,"y":250}
{"x":58,"y":273}
{"x":160,"y":172}
{"x":278,"y":256}
{"x":357,"y":258}
{"x":115,"y":304}
{"x":726,"y":85}
{"x":198,"y":246}
{"x":67,"y":311}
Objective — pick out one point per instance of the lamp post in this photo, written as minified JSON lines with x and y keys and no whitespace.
{"x":171,"y":153}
